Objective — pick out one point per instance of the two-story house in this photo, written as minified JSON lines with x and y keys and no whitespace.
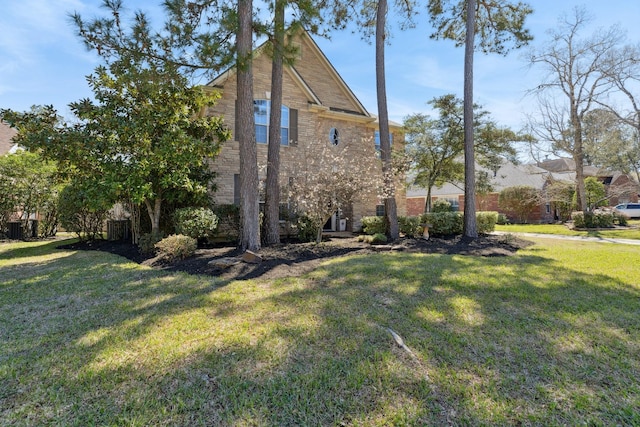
{"x":319,"y":113}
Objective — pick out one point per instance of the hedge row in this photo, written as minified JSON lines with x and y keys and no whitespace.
{"x":440,"y":223}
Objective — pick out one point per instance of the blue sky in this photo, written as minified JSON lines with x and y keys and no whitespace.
{"x":43,"y":62}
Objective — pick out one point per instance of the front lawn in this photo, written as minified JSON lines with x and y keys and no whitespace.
{"x":633,"y":232}
{"x":550,"y":336}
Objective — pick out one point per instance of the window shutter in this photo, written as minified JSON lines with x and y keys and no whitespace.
{"x":293,"y":126}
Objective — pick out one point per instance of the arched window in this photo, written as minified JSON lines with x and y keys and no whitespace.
{"x":261,"y":112}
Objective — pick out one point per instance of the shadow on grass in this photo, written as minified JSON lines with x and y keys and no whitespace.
{"x":92,"y":339}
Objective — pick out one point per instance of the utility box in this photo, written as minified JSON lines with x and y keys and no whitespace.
{"x":119,"y":229}
{"x":15,"y":230}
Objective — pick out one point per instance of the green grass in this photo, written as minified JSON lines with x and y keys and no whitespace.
{"x":550,"y":336}
{"x":633,"y":232}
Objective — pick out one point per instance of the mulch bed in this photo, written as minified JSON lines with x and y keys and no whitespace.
{"x":293,"y":259}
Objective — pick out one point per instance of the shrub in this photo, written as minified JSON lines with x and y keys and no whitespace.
{"x":375,"y":239}
{"x":410,"y":226}
{"x":620,"y":219}
{"x":486,"y":222}
{"x":502,"y":219}
{"x":80,"y":214}
{"x":440,"y":206}
{"x":228,"y":222}
{"x":373,"y":224}
{"x":443,"y":223}
{"x":593,"y":219}
{"x":147,"y":242}
{"x":307,"y":229}
{"x":197,"y":223}
{"x":520,"y":200}
{"x":176,"y":246}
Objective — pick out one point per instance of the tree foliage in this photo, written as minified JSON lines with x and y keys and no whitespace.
{"x":520,"y":201}
{"x":435,"y":145}
{"x":577,"y":70}
{"x":29,"y":185}
{"x":499,"y":23}
{"x":327,"y":183}
{"x":142,"y":137}
{"x":560,"y":195}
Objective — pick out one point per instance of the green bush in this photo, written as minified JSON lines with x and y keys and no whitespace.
{"x":620,"y":219}
{"x":228,"y":222}
{"x":78,"y":212}
{"x":373,"y":224}
{"x":197,"y":223}
{"x":502,"y":219}
{"x":176,"y":246}
{"x":307,"y":230}
{"x":147,"y":242}
{"x":441,"y":206}
{"x":443,"y":223}
{"x":375,"y":239}
{"x":593,"y":219}
{"x":410,"y":226}
{"x":486,"y":222}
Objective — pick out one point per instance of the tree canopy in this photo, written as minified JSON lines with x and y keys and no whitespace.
{"x":436,"y":145}
{"x":143,"y":135}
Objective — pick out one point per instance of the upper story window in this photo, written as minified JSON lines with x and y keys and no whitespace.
{"x":377,"y":140}
{"x":334,"y":136}
{"x":261,"y":111}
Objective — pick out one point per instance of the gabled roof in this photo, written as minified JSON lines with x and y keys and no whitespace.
{"x":508,"y":175}
{"x":314,"y":100}
{"x":564,"y":164}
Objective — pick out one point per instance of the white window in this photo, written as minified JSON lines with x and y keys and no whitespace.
{"x":261,"y":111}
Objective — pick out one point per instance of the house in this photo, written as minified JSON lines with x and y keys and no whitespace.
{"x":320,"y":114}
{"x":619,"y":186}
{"x":508,"y":175}
{"x":6,"y":133}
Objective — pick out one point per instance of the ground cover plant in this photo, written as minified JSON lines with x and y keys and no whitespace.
{"x":548,"y":336}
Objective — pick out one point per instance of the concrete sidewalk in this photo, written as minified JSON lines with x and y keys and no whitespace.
{"x":576,"y":238}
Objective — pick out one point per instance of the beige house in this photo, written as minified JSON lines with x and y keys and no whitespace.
{"x":322,"y":119}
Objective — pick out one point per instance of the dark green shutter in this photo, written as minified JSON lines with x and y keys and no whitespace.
{"x":293,"y":126}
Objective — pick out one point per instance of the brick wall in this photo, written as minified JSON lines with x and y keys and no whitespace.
{"x":314,"y":125}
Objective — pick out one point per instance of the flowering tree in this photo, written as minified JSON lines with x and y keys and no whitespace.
{"x":330,"y":181}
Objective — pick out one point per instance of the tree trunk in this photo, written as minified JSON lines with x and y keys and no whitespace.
{"x":249,"y":203}
{"x":391,"y":210}
{"x":578,"y":158}
{"x":470,"y":230}
{"x":272,"y":193}
{"x":154,"y":213}
{"x":427,"y":202}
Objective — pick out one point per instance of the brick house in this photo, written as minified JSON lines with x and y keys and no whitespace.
{"x":508,"y":175}
{"x":320,"y":113}
{"x":537,"y":176}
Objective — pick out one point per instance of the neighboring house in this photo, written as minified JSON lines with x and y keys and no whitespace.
{"x":537,"y":176}
{"x":320,"y":113}
{"x":508,"y":175}
{"x":6,"y":133}
{"x":621,"y":188}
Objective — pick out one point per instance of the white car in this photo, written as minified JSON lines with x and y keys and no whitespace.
{"x":632,"y":210}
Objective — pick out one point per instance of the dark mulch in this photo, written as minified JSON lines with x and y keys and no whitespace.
{"x":294,"y":259}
